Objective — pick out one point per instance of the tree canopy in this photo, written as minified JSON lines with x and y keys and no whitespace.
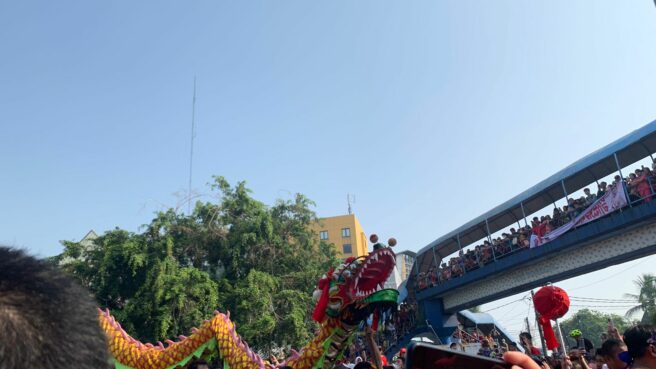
{"x":592,"y":324}
{"x":260,"y":263}
{"x":645,"y":299}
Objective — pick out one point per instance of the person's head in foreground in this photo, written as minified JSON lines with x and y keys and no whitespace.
{"x":609,"y":353}
{"x":47,"y":321}
{"x":526,"y":338}
{"x":641,"y":345}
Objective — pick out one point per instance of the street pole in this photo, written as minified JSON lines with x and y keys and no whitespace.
{"x":528,"y":326}
{"x":537,"y":320}
{"x":563,"y":345}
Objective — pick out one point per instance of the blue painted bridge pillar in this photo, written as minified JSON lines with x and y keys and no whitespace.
{"x":434,"y":314}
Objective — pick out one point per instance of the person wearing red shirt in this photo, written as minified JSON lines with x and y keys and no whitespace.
{"x":526,"y":340}
{"x":383,"y":359}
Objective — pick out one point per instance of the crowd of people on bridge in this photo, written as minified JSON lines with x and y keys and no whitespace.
{"x":397,"y":325}
{"x":640,"y":186}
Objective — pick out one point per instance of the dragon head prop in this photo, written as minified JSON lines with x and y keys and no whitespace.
{"x":354,"y":290}
{"x":348,"y":294}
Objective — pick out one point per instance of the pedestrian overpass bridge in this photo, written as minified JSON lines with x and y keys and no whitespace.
{"x":618,"y":238}
{"x":622,"y":235}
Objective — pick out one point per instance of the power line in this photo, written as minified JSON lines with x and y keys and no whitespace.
{"x":604,"y":301}
{"x":513,"y":321}
{"x":596,"y":298}
{"x":610,"y":276}
{"x":604,"y":306}
{"x":510,"y":311}
{"x":617,"y":308}
{"x":506,"y":304}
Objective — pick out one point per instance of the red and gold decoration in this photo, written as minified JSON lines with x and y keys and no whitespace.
{"x":550,"y":302}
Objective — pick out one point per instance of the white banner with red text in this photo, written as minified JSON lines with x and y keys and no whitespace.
{"x":613,"y":199}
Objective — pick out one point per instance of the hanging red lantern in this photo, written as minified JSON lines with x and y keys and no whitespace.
{"x":550,"y":302}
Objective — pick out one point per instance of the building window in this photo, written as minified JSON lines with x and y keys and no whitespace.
{"x":323,"y":235}
{"x":346,"y":232}
{"x":346,"y":248}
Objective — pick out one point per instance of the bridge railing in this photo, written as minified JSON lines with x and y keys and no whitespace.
{"x":605,"y":164}
{"x":490,"y":253}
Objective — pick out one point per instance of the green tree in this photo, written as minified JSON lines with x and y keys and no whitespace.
{"x":646,"y":299}
{"x":259,"y":262}
{"x":172,"y":300}
{"x":592,"y":324}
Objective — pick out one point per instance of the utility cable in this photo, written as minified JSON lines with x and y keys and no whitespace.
{"x":610,"y":276}
{"x":506,"y":304}
{"x":511,"y":310}
{"x":602,"y":306}
{"x":602,"y":301}
{"x":593,"y":298}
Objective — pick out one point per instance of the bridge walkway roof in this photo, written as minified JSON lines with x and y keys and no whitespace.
{"x":628,"y":150}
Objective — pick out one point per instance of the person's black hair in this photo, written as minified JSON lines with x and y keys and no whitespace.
{"x":557,"y":365}
{"x":363,"y":365}
{"x":636,"y":338}
{"x":196,"y":363}
{"x":47,"y":320}
{"x":527,"y":335}
{"x":608,"y":346}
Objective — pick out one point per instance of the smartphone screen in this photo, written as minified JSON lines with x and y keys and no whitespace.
{"x":425,"y":356}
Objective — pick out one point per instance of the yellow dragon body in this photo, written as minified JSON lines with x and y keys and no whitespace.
{"x":345,"y":297}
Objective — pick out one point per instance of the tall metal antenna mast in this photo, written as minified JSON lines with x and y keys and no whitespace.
{"x":191,"y":151}
{"x":350,"y":198}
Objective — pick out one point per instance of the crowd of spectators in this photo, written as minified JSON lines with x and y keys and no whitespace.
{"x":635,"y":349}
{"x":639,"y":185}
{"x":399,"y":324}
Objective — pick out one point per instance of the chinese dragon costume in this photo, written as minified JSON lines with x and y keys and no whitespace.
{"x":345,"y":297}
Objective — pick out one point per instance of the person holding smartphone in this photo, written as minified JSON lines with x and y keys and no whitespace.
{"x":613,"y":332}
{"x":575,"y":360}
{"x":582,"y":343}
{"x":609,"y":354}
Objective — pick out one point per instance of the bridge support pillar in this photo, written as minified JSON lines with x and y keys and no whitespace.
{"x":435,"y":316}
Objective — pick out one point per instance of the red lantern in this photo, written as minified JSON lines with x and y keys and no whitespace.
{"x":551,"y":303}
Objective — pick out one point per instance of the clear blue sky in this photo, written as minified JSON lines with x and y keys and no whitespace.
{"x":430,"y":112}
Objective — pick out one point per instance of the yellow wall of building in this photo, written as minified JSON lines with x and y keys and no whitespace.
{"x":334,"y":225}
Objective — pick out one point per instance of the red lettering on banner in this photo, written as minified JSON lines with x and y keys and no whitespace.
{"x":600,"y":209}
{"x":611,"y":201}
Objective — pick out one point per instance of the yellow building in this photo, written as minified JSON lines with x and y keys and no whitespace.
{"x":345,"y":232}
